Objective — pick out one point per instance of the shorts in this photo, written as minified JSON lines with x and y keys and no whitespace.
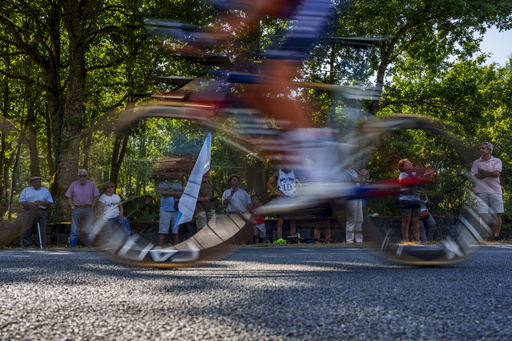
{"x":489,"y":203}
{"x":322,"y":210}
{"x":168,"y":220}
{"x":409,"y":208}
{"x":259,"y":229}
{"x":283,"y":200}
{"x":203,"y":219}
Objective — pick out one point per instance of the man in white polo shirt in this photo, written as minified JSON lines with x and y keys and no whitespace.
{"x":35,"y":200}
{"x":486,"y":171}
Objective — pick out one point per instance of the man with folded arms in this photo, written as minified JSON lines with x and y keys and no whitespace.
{"x":486,"y":171}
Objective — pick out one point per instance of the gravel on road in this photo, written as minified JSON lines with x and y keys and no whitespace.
{"x":257,"y":293}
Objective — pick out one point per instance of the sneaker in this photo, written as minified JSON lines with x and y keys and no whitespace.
{"x":498,"y":238}
{"x":280,"y":241}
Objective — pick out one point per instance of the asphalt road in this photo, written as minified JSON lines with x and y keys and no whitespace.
{"x":266,"y":293}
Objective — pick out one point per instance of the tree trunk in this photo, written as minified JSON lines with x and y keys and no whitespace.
{"x":55,"y":110}
{"x":2,"y":182}
{"x":385,"y":55}
{"x":3,"y":146}
{"x":48,"y":126}
{"x":87,"y":147}
{"x":31,"y":136}
{"x":120,"y":144}
{"x":66,"y":167}
{"x":14,"y":169}
{"x":118,"y":156}
{"x":5,"y":177}
{"x":34,"y":155}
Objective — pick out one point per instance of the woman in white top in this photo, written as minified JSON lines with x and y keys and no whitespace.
{"x":111,"y":210}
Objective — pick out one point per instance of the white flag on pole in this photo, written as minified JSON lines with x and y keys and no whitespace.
{"x":188,"y":201}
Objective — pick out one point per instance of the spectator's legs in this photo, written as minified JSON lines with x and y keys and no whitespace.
{"x":430,"y":226}
{"x":349,"y":231}
{"x":416,"y":228}
{"x":327,"y":230}
{"x":87,"y":221}
{"x":323,"y":224}
{"x":358,"y":231}
{"x":293,"y":227}
{"x":497,"y":224}
{"x":126,"y":226}
{"x":318,"y":229}
{"x":205,"y":218}
{"x":26,"y":237}
{"x":484,"y":220}
{"x":75,"y":226}
{"x":124,"y":223}
{"x":256,"y":234}
{"x":174,"y":229}
{"x":423,"y":232}
{"x":279,"y":228}
{"x":405,"y":227}
{"x":200,"y":220}
{"x":210,"y":217}
{"x":165,"y":221}
{"x":260,"y":231}
{"x":352,"y":220}
{"x":110,"y":225}
{"x":27,"y":225}
{"x":488,"y":204}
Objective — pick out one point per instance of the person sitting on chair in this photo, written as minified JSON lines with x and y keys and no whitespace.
{"x":35,"y":200}
{"x":110,"y":208}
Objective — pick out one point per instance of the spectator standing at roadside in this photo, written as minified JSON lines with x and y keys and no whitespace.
{"x":235,"y":198}
{"x":409,"y":201}
{"x":258,"y":221}
{"x":427,"y":222}
{"x":169,"y":195}
{"x":34,"y":200}
{"x":205,"y":209}
{"x":82,"y":198}
{"x":110,"y":209}
{"x":486,"y":170}
{"x":355,"y":219}
{"x":323,"y":223}
{"x":286,"y":187}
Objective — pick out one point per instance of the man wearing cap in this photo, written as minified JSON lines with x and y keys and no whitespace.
{"x":35,"y":200}
{"x":82,"y":197}
{"x":486,"y":171}
{"x":236,"y":199}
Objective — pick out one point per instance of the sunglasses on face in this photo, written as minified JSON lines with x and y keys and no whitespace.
{"x":82,"y":176}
